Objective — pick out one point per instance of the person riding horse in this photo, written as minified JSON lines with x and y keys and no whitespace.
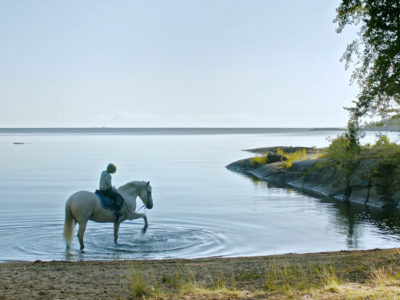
{"x":108,"y":190}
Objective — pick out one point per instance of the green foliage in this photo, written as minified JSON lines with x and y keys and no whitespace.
{"x":280,"y":152}
{"x":327,"y":277}
{"x":387,"y":171}
{"x":138,"y":285}
{"x":340,"y":151}
{"x":288,"y":277}
{"x":384,"y":275}
{"x":341,"y":154}
{"x":383,"y":141}
{"x":291,"y":157}
{"x":389,"y":123}
{"x":384,"y":173}
{"x":353,"y":134}
{"x":376,"y":53}
{"x":344,"y":150}
{"x":258,"y":161}
{"x":248,"y":276}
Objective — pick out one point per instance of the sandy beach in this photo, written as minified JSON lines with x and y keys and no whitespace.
{"x":327,"y":275}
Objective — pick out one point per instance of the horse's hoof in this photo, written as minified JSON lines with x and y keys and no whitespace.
{"x":144,"y":229}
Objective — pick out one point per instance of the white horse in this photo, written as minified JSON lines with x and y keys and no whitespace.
{"x":84,"y":206}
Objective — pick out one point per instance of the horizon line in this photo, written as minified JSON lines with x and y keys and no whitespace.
{"x":173,"y":127}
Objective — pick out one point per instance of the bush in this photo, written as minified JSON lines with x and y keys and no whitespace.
{"x":387,"y":171}
{"x":340,"y":152}
{"x":286,"y":158}
{"x":385,"y":174}
{"x":291,"y":157}
{"x":138,"y":284}
{"x":344,"y":153}
{"x":258,"y":161}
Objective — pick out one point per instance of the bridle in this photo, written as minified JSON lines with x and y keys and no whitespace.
{"x":143,"y":206}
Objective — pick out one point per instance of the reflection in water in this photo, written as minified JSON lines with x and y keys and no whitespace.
{"x":352,"y":216}
{"x":349,"y":217}
{"x":346,"y":215}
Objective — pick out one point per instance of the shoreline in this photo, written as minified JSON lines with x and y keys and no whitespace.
{"x":311,"y":176}
{"x":204,"y":278}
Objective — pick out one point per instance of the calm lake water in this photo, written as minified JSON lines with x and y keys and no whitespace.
{"x":201,"y":209}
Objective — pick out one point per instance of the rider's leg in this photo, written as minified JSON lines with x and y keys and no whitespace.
{"x":116,"y":228}
{"x":118,"y":201}
{"x":114,"y":195}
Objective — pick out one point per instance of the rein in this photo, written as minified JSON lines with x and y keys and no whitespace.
{"x":132,"y":213}
{"x":141,"y":207}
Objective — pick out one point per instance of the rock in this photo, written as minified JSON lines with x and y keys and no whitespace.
{"x":316,"y":176}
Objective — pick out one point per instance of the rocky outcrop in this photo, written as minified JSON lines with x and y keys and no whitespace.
{"x":316,"y":176}
{"x":286,"y":149}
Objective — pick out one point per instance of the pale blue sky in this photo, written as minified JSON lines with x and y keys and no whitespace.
{"x":165,"y":63}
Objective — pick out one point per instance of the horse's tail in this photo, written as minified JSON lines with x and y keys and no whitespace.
{"x":69,"y":224}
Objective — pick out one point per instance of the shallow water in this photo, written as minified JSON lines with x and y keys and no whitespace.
{"x":201,"y":209}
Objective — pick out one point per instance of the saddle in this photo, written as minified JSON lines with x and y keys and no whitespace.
{"x":106,"y":202}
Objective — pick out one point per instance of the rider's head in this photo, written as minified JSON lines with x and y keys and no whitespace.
{"x":111,"y":168}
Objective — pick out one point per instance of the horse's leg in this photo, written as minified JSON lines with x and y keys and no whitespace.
{"x":116,"y":228}
{"x":82,"y":227}
{"x":144,"y":217}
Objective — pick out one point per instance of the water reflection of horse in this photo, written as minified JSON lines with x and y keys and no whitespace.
{"x":84,"y":206}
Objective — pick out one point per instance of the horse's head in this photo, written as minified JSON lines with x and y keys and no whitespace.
{"x":145,"y":195}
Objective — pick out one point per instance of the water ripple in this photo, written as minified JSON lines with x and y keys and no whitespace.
{"x":161,"y":241}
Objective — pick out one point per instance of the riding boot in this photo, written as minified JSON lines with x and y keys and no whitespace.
{"x":117,"y":214}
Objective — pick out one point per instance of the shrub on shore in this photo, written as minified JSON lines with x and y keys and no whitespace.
{"x":345,"y":154}
{"x":280,"y":155}
{"x":291,"y":157}
{"x":387,"y":171}
{"x":258,"y":160}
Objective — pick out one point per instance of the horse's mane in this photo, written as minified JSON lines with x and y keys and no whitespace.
{"x":132,"y":184}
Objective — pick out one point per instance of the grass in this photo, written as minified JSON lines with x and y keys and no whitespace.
{"x":138,"y":285}
{"x":258,"y":160}
{"x":350,"y":278}
{"x":290,"y":158}
{"x":144,"y":284}
{"x":289,"y":278}
{"x":384,"y":275}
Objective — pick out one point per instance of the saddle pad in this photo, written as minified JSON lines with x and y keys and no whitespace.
{"x":105,"y":202}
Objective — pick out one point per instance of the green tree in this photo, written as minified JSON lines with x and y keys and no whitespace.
{"x":375,"y":54}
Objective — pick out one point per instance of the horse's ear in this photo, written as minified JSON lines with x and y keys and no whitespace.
{"x":148,"y":183}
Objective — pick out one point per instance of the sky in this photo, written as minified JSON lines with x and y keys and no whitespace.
{"x":172,"y":63}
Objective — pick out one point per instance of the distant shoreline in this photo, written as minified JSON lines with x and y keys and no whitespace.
{"x":155,"y":130}
{"x":175,"y":130}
